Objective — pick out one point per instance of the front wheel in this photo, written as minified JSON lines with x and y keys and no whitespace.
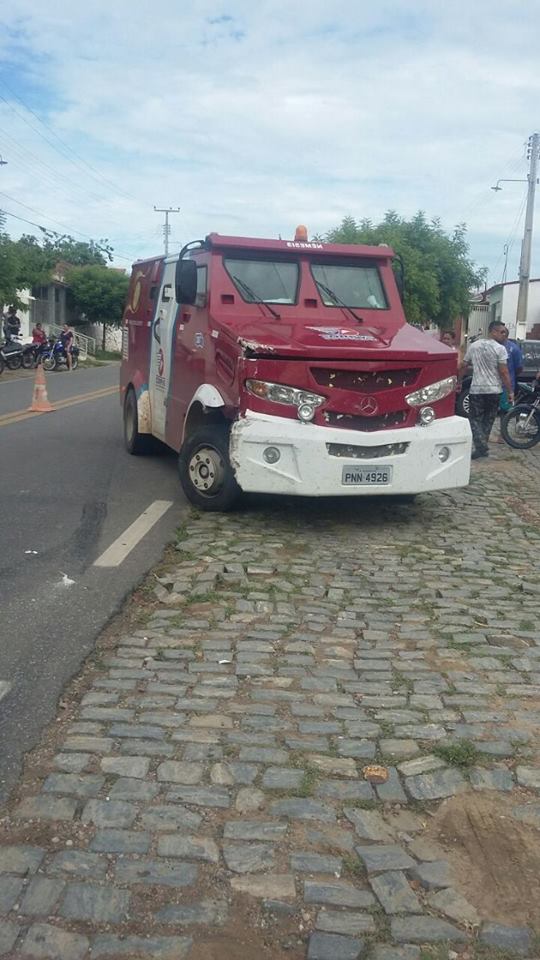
{"x":520,"y":427}
{"x":463,"y":404}
{"x":13,"y":363}
{"x":28,"y":360}
{"x":135,"y":442}
{"x":48,"y":362}
{"x":74,"y":361}
{"x":206,"y":474}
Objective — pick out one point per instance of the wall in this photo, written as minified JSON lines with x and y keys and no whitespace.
{"x":509,"y":306}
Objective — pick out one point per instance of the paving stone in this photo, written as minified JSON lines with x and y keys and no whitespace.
{"x":254,"y":830}
{"x":135,"y":767}
{"x":330,"y":946}
{"x":424,"y":850}
{"x":120,"y":841}
{"x":248,"y":857}
{"x":482,"y":779}
{"x":425,"y":930}
{"x":41,"y":896}
{"x":8,"y":934}
{"x":381,"y":951}
{"x":427,"y":764}
{"x":72,"y":762}
{"x":109,"y":813}
{"x":384,"y":856}
{"x":333,"y":765}
{"x":53,"y":943}
{"x":437,"y":785}
{"x":267,"y":886}
{"x":391,"y":791}
{"x":307,"y":862}
{"x":528,"y":777}
{"x":369,"y":824}
{"x":300,"y":809}
{"x":137,"y":791}
{"x":78,"y":863}
{"x":178,"y":772}
{"x":190,"y":848}
{"x":169,"y":816}
{"x":264,"y":755}
{"x":205,"y":913}
{"x":337,"y":893}
{"x":20,"y":859}
{"x":513,"y":939}
{"x":249,"y":799}
{"x":10,"y":888}
{"x":201,"y":796}
{"x":398,"y":748}
{"x":349,"y":923}
{"x":87,"y":901}
{"x":156,"y":873}
{"x":282,"y":778}
{"x":82,"y":785}
{"x":528,"y":813}
{"x":454,"y":906}
{"x":394,"y":893}
{"x":141,"y":948}
{"x":46,"y":808}
{"x":432,"y":876}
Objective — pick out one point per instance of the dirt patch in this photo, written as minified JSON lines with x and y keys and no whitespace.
{"x":495,"y":859}
{"x":252,"y":935}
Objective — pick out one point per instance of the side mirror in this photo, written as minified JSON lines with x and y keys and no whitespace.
{"x":186,"y":281}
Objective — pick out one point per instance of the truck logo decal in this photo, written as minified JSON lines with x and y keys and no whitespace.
{"x":304,"y":245}
{"x":368,"y":406}
{"x":340,"y":333}
{"x":199,"y":341}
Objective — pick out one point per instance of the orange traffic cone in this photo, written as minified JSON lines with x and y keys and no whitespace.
{"x":40,"y":400}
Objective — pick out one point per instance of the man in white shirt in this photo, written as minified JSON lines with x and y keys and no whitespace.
{"x":489,"y":360}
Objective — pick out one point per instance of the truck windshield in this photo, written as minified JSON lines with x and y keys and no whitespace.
{"x":354,"y":286}
{"x":264,"y":281}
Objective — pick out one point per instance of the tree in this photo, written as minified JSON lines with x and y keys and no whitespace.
{"x":36,"y":259}
{"x":439,"y":273}
{"x":8,"y":269}
{"x":99,"y":293}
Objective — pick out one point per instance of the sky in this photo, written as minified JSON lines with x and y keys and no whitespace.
{"x":253,"y":118}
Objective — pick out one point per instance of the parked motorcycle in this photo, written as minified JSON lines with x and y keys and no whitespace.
{"x":11,"y":352}
{"x":520,"y":427}
{"x":55,"y":356}
{"x":33,"y":353}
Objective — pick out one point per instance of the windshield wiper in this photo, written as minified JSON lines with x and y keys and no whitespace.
{"x":339,"y":303}
{"x":254,"y":298}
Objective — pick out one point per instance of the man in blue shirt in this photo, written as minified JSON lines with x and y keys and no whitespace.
{"x":515,"y":366}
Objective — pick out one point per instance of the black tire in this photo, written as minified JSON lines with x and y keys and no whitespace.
{"x":136,"y":443}
{"x":206,"y":474}
{"x":510,"y":422}
{"x":2,"y":364}
{"x":28,"y":360}
{"x":462,"y":404}
{"x":14,"y":363}
{"x":48,"y":362}
{"x":74,"y":362}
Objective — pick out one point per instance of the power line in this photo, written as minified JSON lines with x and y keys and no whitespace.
{"x":40,"y":226}
{"x":78,"y":161}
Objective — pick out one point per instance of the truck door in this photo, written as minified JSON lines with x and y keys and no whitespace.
{"x":160,"y":363}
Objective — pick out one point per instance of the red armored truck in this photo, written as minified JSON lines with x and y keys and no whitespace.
{"x":287,"y":367}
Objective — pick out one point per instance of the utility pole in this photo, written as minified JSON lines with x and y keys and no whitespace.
{"x":166,"y":226}
{"x":525,"y":263}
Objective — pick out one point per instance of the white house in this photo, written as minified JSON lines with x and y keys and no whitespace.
{"x":500,"y":303}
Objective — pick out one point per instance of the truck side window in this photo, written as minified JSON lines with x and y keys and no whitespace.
{"x":153,"y":292}
{"x":202,"y":286}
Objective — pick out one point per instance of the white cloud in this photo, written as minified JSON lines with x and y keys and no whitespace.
{"x":253,"y":118}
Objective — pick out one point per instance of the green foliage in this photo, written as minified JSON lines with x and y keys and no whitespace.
{"x":99,"y":293}
{"x":439,"y":274}
{"x":8,"y":269}
{"x":462,"y":753}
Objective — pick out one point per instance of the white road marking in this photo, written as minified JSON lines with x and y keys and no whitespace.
{"x":5,"y":687}
{"x":118,"y":551}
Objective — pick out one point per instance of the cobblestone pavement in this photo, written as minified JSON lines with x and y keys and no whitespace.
{"x":262,"y":756}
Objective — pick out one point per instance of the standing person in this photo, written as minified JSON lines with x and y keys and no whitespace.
{"x":515,"y":365}
{"x":12,"y":324}
{"x":489,"y":360}
{"x":67,"y":342}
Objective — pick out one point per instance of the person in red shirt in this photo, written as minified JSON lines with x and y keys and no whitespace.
{"x":38,"y":334}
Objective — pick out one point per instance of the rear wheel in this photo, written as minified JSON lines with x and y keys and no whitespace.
{"x":520,"y":427}
{"x":14,"y":363}
{"x":206,"y":474}
{"x":136,"y":443}
{"x":75,"y":361}
{"x":48,"y":362}
{"x":28,"y":360}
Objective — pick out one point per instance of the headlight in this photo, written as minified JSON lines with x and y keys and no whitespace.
{"x":432,"y":393}
{"x":279,"y":393}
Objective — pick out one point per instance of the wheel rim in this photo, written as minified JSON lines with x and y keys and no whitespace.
{"x":207,"y":471}
{"x":466,"y":404}
{"x":523,"y":428}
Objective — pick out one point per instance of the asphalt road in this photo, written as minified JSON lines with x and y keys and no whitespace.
{"x":68,"y":490}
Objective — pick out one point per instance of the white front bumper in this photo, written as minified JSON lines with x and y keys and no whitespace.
{"x":306,"y":468}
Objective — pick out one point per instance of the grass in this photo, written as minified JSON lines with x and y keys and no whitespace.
{"x":462,"y":753}
{"x":353,"y":867}
{"x":309,"y":781}
{"x":526,"y":625}
{"x":108,"y":355}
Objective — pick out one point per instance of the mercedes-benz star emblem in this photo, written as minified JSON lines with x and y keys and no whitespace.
{"x":368,"y":406}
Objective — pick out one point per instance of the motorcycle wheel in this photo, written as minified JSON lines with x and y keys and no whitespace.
{"x":48,"y":362}
{"x":13,"y":363}
{"x":520,"y":427}
{"x":28,"y":361}
{"x":2,"y":364}
{"x":74,"y":363}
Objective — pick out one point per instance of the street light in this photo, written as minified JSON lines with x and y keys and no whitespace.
{"x":497,"y":187}
{"x":3,"y":163}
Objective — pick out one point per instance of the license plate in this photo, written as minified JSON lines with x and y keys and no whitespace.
{"x":368,"y":476}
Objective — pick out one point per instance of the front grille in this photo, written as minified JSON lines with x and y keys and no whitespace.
{"x":371,"y":381}
{"x":349,"y":422}
{"x":351,"y":452}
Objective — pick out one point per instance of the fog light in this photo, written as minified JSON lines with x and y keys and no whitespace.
{"x":271,"y":454}
{"x":427,"y":415}
{"x":443,"y":453}
{"x":306,"y":412}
